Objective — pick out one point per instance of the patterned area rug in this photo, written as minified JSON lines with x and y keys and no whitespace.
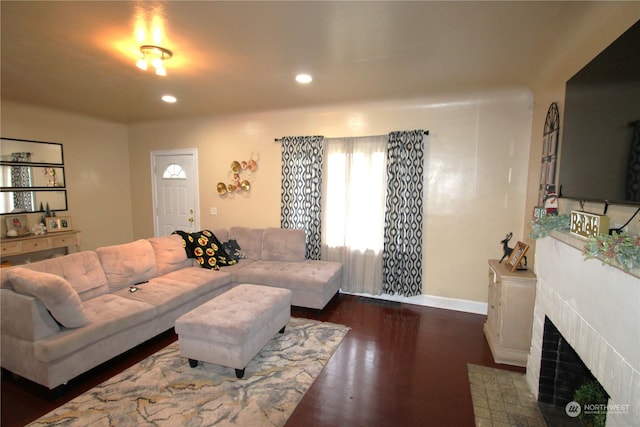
{"x":502,"y":398}
{"x":163,"y":390}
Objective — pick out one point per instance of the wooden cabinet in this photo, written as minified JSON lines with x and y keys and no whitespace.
{"x":11,"y":246}
{"x":510,"y":313}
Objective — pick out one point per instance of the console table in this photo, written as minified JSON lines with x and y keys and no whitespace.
{"x":510,"y":313}
{"x":10,"y":246}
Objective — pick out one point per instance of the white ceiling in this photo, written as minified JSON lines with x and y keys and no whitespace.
{"x":232,"y":57}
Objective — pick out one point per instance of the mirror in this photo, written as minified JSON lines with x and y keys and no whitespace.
{"x":31,"y":201}
{"x":13,"y":150}
{"x":31,"y":176}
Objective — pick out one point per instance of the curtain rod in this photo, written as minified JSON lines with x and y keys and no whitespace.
{"x":426,"y":132}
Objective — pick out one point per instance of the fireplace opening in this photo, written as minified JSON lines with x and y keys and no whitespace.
{"x":562,"y":374}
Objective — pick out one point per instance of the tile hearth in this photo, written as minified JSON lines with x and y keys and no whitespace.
{"x":502,"y":398}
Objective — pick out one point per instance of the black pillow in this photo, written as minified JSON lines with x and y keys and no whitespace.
{"x":234,"y":253}
{"x":205,"y":247}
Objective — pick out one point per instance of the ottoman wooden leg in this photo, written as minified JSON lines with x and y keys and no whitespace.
{"x":239,"y":373}
{"x":193,"y":363}
{"x":281,"y":331}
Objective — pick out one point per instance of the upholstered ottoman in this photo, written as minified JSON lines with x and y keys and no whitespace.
{"x":231,"y":329}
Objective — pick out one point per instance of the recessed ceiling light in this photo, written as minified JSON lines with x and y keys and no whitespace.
{"x":169,"y":99}
{"x":304,"y":78}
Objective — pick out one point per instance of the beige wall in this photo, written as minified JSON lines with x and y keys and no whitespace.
{"x":96,"y":168}
{"x":476,"y":140}
{"x":476,"y":169}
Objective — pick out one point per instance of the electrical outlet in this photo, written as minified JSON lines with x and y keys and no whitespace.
{"x":214,"y":211}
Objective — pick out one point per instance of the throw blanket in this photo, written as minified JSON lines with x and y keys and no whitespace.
{"x":205,"y":247}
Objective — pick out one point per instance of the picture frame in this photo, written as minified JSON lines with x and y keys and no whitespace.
{"x":17,"y":225}
{"x":518,"y":253}
{"x":58,"y":223}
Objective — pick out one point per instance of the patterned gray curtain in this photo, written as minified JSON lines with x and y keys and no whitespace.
{"x":21,"y":177}
{"x":402,"y":254}
{"x":302,"y":158}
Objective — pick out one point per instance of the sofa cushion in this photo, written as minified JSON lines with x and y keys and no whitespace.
{"x":177,"y":288}
{"x":82,"y":270}
{"x":210,"y":279}
{"x":110,"y":315}
{"x":313,"y":283}
{"x":290,"y":275}
{"x":249,"y":239}
{"x":282,"y":244}
{"x":170,"y":254}
{"x":163,"y":295}
{"x":128,"y":264}
{"x":55,"y":292}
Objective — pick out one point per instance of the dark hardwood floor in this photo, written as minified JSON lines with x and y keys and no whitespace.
{"x":400,"y":364}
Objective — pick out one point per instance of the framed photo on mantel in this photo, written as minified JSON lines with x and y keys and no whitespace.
{"x":516,"y":256}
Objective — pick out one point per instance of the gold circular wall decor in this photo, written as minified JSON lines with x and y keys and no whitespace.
{"x":239,"y":175}
{"x":221,"y":188}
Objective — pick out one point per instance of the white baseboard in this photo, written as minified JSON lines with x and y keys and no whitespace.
{"x":467,"y":306}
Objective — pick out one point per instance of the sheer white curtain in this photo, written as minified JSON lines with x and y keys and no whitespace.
{"x":353,"y":205}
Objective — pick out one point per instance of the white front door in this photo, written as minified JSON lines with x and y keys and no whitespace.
{"x":175,"y":191}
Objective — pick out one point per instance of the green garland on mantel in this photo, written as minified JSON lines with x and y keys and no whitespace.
{"x":541,"y":227}
{"x":618,"y":249}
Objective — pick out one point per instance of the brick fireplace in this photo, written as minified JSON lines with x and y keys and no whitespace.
{"x":562,"y":373}
{"x":596,"y":308}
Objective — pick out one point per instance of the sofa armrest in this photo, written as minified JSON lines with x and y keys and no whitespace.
{"x":25,"y":317}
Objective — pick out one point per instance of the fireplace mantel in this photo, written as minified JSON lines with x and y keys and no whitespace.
{"x":596,"y":308}
{"x":578,"y":243}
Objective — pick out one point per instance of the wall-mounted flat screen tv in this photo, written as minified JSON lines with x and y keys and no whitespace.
{"x":600,"y":148}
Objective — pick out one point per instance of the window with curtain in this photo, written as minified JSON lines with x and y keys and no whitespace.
{"x":353,"y":211}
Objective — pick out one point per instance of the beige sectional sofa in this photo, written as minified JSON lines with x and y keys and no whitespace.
{"x":63,"y":316}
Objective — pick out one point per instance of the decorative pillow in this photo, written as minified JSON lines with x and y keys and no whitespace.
{"x":234,"y":253}
{"x":55,"y":292}
{"x":205,"y":248}
{"x":128,"y":263}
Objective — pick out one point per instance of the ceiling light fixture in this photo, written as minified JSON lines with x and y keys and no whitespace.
{"x":304,"y":78}
{"x":155,"y":55}
{"x":170,"y":99}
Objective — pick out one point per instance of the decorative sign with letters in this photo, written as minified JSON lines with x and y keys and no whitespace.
{"x":588,"y":225}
